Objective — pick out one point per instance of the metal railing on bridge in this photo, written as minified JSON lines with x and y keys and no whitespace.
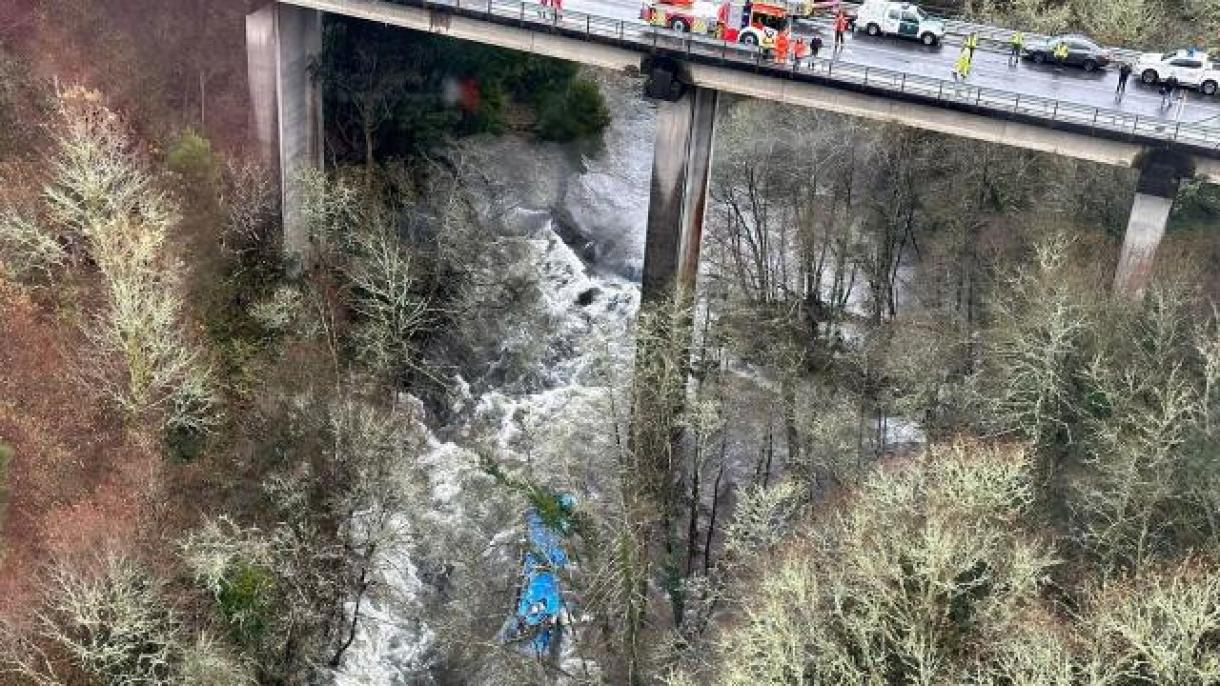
{"x":1107,"y":123}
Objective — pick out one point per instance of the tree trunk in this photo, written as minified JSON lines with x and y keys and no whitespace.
{"x":788,"y":391}
{"x":368,"y":129}
{"x":711,"y":522}
{"x":362,"y":586}
{"x":692,"y":531}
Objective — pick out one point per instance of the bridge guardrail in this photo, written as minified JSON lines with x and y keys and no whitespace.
{"x":738,"y":56}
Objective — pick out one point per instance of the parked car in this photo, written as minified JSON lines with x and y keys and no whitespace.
{"x":882,"y":17}
{"x":812,"y":8}
{"x":1191,"y":68}
{"x":1083,"y":51}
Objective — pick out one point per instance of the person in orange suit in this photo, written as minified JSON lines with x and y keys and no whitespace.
{"x":781,"y":47}
{"x":840,"y":28}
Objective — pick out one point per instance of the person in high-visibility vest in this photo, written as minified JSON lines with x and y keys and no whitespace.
{"x":972,"y":42}
{"x":1061,"y":52}
{"x":961,"y":68}
{"x":1016,"y":43}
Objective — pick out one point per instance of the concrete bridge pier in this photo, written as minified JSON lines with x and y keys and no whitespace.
{"x":681,"y":171}
{"x":1160,"y":174}
{"x":281,"y":42}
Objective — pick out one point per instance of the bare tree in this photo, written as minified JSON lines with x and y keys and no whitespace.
{"x":251,"y":200}
{"x":26,"y":250}
{"x":109,"y":619}
{"x":297,"y":592}
{"x":1034,"y":351}
{"x":1156,"y":626}
{"x":915,"y":580}
{"x":109,"y":206}
{"x":387,"y":288}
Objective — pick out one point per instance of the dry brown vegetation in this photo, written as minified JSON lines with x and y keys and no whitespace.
{"x":77,"y":480}
{"x":165,"y":64}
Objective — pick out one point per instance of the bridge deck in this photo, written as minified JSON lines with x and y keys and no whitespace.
{"x":1105,"y":135}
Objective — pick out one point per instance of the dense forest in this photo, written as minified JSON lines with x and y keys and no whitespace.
{"x":912,"y":435}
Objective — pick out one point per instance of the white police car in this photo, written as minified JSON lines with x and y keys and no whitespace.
{"x":884,"y":17}
{"x":1189,"y":66}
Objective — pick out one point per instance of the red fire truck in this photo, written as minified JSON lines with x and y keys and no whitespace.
{"x":759,"y":23}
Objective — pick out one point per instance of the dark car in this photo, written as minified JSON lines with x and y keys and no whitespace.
{"x":1082,"y":52}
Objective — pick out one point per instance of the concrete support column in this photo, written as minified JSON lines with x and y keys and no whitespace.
{"x":281,"y":42}
{"x":681,"y":170}
{"x":1154,"y":194}
{"x":1149,"y":215}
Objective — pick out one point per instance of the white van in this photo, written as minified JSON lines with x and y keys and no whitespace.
{"x":877,"y":17}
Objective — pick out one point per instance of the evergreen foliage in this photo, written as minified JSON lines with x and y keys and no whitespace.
{"x":402,"y":93}
{"x":575,"y":112}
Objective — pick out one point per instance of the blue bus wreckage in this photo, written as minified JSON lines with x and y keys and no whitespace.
{"x":541,"y":614}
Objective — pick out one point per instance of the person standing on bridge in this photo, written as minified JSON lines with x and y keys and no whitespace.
{"x":1124,"y":73}
{"x":781,"y":47}
{"x":1168,"y":89}
{"x":1179,"y":100}
{"x":961,"y":68}
{"x":972,"y":42}
{"x":840,"y":29}
{"x":1061,"y":52}
{"x":1016,"y":43}
{"x":815,"y":45}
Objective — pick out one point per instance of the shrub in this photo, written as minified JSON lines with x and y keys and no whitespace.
{"x":27,"y":251}
{"x":575,"y":112}
{"x":1159,"y":627}
{"x":244,"y":599}
{"x":206,"y":662}
{"x":1197,"y":204}
{"x":191,"y":157}
{"x":234,"y":565}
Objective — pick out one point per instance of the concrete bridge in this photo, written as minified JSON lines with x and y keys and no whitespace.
{"x":686,"y":73}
